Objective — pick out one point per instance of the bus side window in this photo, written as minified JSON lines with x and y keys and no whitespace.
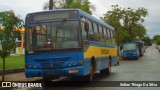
{"x":105,"y":34}
{"x":102,"y":38}
{"x":101,"y":34}
{"x":96,"y":32}
{"x":109,"y":37}
{"x":96,"y":37}
{"x":111,"y":34}
{"x":84,"y":33}
{"x":91,"y":38}
{"x":84,"y":36}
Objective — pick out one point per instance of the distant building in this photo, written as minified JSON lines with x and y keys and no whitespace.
{"x":20,"y":43}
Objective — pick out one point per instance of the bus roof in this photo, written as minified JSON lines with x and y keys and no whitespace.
{"x":82,"y":13}
{"x":95,"y":19}
{"x":129,"y":43}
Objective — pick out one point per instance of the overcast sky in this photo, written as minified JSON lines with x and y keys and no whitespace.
{"x":152,"y":21}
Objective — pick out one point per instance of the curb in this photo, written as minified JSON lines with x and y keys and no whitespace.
{"x":12,"y":71}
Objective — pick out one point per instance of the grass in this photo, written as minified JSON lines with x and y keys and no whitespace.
{"x":13,"y":62}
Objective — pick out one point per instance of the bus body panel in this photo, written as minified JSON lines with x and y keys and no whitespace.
{"x":140,"y":47}
{"x":101,"y":53}
{"x":38,"y":65}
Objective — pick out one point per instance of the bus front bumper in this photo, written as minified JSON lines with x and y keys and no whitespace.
{"x":72,"y":71}
{"x":130,"y":56}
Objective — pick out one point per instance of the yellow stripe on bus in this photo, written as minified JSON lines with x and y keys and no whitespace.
{"x":100,"y":52}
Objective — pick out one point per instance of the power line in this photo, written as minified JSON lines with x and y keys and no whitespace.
{"x":95,"y":13}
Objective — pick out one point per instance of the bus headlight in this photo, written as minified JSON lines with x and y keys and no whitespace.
{"x":28,"y":66}
{"x":74,"y":63}
{"x":69,"y":64}
{"x":34,"y":66}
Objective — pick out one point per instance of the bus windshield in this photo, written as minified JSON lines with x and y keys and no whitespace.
{"x":129,"y":47}
{"x":53,"y":35}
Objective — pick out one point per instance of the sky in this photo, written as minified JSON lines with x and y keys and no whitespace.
{"x":152,"y":21}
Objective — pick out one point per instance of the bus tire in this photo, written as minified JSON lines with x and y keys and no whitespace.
{"x":103,"y":72}
{"x":124,"y":58}
{"x":108,"y":70}
{"x":49,"y":79}
{"x":137,"y":56}
{"x":46,"y":80}
{"x":91,"y":73}
{"x":92,"y":69}
{"x":118,"y":63}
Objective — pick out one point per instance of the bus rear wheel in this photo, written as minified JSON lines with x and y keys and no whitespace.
{"x":137,"y":57}
{"x":91,"y":74}
{"x":108,"y":70}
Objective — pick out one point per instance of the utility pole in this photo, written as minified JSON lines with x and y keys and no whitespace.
{"x":50,"y":4}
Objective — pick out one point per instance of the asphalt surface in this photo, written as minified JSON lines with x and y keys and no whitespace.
{"x":147,"y":68}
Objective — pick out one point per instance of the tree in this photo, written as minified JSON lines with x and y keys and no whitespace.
{"x":61,"y":4}
{"x":10,"y":26}
{"x":132,"y":21}
{"x":156,"y":39}
{"x":127,"y":22}
{"x":114,"y":18}
{"x":147,"y":40}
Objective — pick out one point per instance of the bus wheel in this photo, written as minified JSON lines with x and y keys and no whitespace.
{"x":91,"y":74}
{"x":102,"y":72}
{"x":124,"y":58}
{"x":117,"y":63}
{"x":137,"y":57}
{"x":109,"y":68}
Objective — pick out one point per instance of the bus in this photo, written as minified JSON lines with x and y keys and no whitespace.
{"x":133,"y":50}
{"x":68,"y":42}
{"x":130,"y":50}
{"x":140,"y":47}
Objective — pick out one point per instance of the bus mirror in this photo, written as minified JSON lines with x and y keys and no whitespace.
{"x":83,"y":19}
{"x":86,"y":26}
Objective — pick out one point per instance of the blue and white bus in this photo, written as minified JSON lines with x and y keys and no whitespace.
{"x":67,"y":42}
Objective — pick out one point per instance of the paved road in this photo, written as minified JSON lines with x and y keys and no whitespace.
{"x":147,"y":68}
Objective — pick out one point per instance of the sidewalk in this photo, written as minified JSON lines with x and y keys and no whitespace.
{"x":18,"y":77}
